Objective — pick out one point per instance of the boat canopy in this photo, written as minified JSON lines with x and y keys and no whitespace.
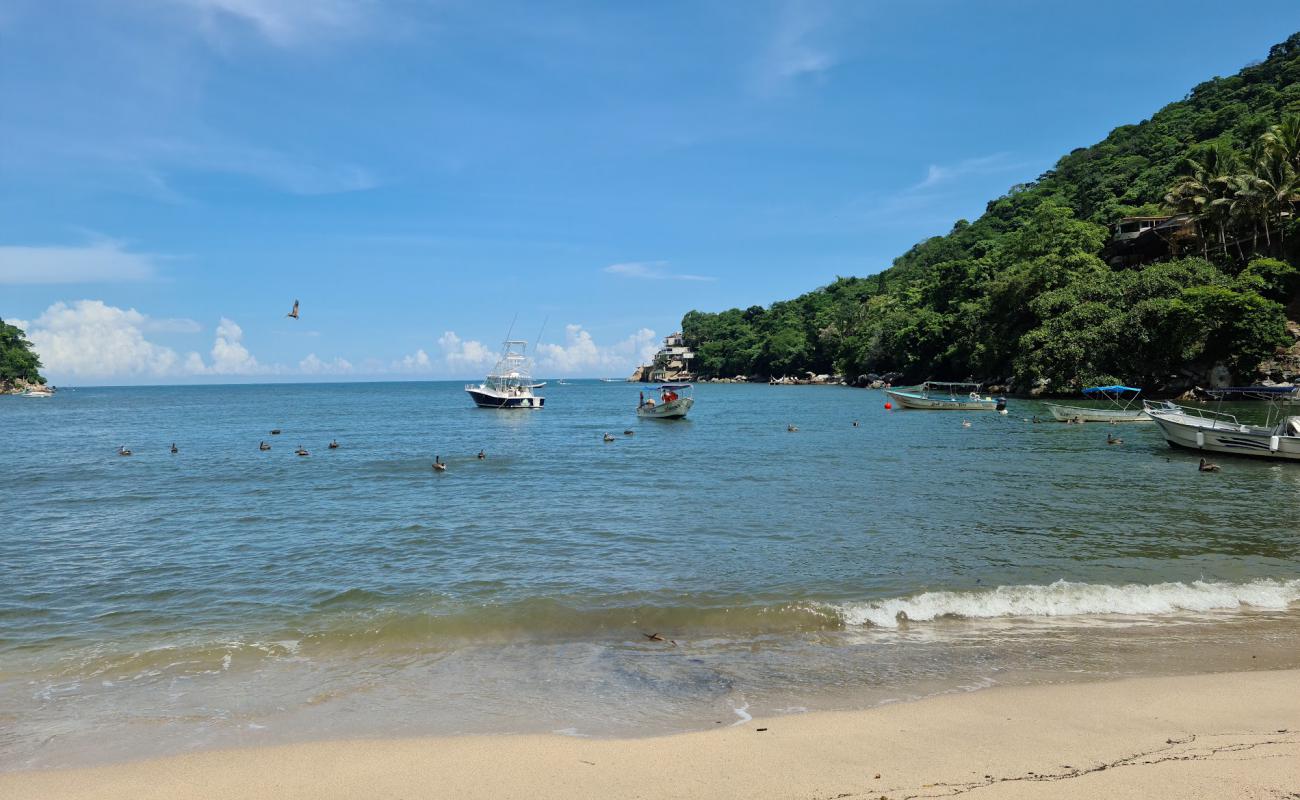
{"x":949,"y":385}
{"x":675,"y":386}
{"x":1110,"y":390}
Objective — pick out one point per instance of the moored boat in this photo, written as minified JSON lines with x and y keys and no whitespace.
{"x":674,"y":401}
{"x":1119,"y":410}
{"x":1217,"y":432}
{"x":509,"y":384}
{"x":37,"y":391}
{"x":943,"y":396}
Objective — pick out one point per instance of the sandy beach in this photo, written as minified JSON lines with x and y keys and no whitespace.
{"x":1219,"y":736}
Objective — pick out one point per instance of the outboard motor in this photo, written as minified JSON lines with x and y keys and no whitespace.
{"x":1002,"y":404}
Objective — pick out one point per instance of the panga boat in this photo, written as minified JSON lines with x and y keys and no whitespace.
{"x":509,"y":384}
{"x":1121,"y":399}
{"x":674,"y":401}
{"x":941,"y":396}
{"x":1201,"y":429}
{"x":37,"y":391}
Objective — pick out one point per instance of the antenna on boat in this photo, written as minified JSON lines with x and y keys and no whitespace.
{"x":512,"y":326}
{"x":538,"y":341}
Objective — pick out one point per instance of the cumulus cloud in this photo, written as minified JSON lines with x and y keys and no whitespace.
{"x":102,"y":262}
{"x":460,"y":354}
{"x":314,"y":365}
{"x":92,"y":339}
{"x":581,"y":354}
{"x":651,"y":270}
{"x":417,"y":362}
{"x":229,"y":356}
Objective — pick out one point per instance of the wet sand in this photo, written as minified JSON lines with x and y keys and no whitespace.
{"x":1234,"y":735}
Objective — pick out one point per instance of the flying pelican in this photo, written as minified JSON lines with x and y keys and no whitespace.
{"x":293,"y":313}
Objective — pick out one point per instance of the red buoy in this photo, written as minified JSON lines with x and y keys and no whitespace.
{"x":888,"y":406}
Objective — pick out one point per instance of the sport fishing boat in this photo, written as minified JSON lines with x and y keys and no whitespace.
{"x":37,"y":391}
{"x":674,"y":401}
{"x":942,"y":396}
{"x":510,"y":383}
{"x":1120,"y":408}
{"x":1217,"y":432}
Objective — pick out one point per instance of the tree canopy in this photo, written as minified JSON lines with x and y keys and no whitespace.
{"x":17,"y":360}
{"x":1023,"y":294}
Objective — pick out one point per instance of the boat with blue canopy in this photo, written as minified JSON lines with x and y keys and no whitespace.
{"x":1120,"y":405}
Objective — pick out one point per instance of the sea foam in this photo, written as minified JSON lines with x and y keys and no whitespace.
{"x":1065,"y":598}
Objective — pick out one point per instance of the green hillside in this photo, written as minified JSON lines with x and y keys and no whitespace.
{"x":18,"y":364}
{"x":1022,"y":295}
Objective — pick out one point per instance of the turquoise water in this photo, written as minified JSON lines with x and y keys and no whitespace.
{"x":223,"y":595}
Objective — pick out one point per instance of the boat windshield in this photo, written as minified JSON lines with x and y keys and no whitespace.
{"x":953,"y":389}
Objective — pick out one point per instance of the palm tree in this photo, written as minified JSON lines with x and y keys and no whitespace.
{"x":1205,"y":189}
{"x":1284,"y":140}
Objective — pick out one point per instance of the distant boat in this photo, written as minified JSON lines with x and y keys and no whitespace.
{"x":612,"y":380}
{"x":1120,"y":410}
{"x":942,"y":396}
{"x":561,"y":382}
{"x":37,"y":391}
{"x":674,"y":401}
{"x":1201,"y":429}
{"x":509,"y":384}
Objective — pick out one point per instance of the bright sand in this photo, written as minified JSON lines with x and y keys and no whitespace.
{"x":1219,"y":736}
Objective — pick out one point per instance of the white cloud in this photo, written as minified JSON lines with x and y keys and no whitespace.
{"x":418,"y":362}
{"x":91,"y":339}
{"x":581,"y":354}
{"x":313,"y":365}
{"x":940,"y":174}
{"x":464,"y":355}
{"x":101,"y":262}
{"x":172,"y":325}
{"x":229,"y":356}
{"x":798,"y":48}
{"x":651,"y":270}
{"x":285,"y":23}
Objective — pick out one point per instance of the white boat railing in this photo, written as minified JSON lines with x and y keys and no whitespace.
{"x":1216,"y":419}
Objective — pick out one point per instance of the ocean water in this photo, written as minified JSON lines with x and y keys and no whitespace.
{"x":226,"y":596}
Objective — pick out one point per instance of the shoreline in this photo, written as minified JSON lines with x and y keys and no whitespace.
{"x":1214,"y":735}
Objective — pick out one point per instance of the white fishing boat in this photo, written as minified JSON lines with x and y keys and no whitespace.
{"x":37,"y":391}
{"x":1217,"y":432}
{"x":674,"y":401}
{"x":942,"y":396}
{"x":510,"y":383}
{"x":1120,"y":408}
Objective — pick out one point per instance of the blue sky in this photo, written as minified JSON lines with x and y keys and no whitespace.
{"x":173,"y":173}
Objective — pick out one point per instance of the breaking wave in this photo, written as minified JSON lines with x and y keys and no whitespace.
{"x":1064,"y":599}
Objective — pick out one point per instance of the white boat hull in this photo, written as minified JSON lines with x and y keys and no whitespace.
{"x":1081,"y":414}
{"x":673,"y":409}
{"x":1217,"y":436}
{"x":913,"y":400}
